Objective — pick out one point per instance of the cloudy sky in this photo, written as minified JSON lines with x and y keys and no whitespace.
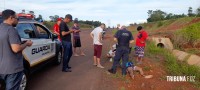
{"x":110,"y":12}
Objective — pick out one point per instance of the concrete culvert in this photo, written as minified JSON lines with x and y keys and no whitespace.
{"x":160,"y":45}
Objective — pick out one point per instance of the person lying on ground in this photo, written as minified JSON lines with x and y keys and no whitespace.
{"x":131,"y":67}
{"x":111,"y":53}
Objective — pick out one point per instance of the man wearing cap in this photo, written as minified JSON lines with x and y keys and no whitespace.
{"x":123,"y":38}
{"x":65,"y":35}
{"x":56,"y":28}
{"x":140,"y":44}
{"x":11,"y":47}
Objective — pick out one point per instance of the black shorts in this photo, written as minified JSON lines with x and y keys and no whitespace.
{"x":77,"y":43}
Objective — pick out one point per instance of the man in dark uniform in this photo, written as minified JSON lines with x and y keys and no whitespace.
{"x":65,"y":35}
{"x":123,"y":37}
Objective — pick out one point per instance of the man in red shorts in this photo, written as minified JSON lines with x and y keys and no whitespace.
{"x":96,"y":35}
{"x":56,"y":28}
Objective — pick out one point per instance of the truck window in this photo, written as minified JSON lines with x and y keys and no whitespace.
{"x":42,"y":32}
{"x":25,"y":30}
{"x":1,"y":20}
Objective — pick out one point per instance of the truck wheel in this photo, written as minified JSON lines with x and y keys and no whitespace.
{"x":59,"y":57}
{"x":24,"y":80}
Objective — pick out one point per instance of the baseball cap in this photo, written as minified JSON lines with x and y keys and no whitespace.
{"x":59,"y":19}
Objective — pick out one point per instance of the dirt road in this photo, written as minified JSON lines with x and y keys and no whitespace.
{"x":84,"y":75}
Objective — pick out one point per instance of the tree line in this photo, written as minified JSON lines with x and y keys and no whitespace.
{"x":53,"y":18}
{"x":159,"y":15}
{"x":92,"y":23}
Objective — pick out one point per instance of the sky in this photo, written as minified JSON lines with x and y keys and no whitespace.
{"x":110,"y":12}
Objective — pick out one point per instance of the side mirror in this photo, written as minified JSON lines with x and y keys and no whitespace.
{"x":54,"y":36}
{"x":28,"y":31}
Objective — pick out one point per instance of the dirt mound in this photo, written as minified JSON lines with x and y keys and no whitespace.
{"x":178,"y":25}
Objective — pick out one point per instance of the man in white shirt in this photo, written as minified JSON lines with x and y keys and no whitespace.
{"x":96,"y":35}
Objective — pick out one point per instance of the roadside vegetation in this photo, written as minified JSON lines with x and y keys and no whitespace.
{"x":172,"y":65}
{"x":187,"y":36}
{"x":50,"y":24}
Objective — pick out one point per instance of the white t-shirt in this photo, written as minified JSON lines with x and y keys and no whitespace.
{"x":96,"y":33}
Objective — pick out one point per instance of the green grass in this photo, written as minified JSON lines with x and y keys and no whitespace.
{"x":193,"y":51}
{"x":114,"y":31}
{"x":172,"y":65}
{"x":122,"y":88}
{"x":188,"y":35}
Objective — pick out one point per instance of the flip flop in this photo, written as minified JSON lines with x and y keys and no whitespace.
{"x":148,"y":76}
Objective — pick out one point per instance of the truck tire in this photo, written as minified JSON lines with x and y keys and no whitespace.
{"x":59,"y":57}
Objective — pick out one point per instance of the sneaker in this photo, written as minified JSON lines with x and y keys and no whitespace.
{"x":100,"y":66}
{"x":112,"y":71}
{"x":66,"y":70}
{"x":82,"y":54}
{"x":95,"y":64}
{"x":76,"y":55}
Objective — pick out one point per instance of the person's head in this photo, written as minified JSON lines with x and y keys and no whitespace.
{"x":75,"y":23}
{"x":139,"y":28}
{"x":123,"y":27}
{"x":59,"y":20}
{"x":103,"y":26}
{"x":10,"y":17}
{"x":68,"y":18}
{"x":118,"y":26}
{"x":129,"y":64}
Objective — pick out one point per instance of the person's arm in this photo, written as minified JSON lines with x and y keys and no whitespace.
{"x":116,"y":36}
{"x":56,"y":30}
{"x":15,"y":41}
{"x":140,"y":70}
{"x":144,"y":37}
{"x":76,"y":31}
{"x":100,"y":37}
{"x":63,"y":31}
{"x":16,"y":48}
{"x":66,"y":33}
{"x":131,"y":39}
{"x":115,"y":39}
{"x":92,"y":35}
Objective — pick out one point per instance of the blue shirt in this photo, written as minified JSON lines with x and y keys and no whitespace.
{"x":123,"y":36}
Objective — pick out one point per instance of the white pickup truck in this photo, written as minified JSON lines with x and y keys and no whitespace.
{"x":46,"y":47}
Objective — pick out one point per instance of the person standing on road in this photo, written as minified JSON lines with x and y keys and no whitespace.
{"x":65,"y":35}
{"x":96,"y":35}
{"x":56,"y":28}
{"x":11,"y":47}
{"x":76,"y":39}
{"x":124,"y":38}
{"x":140,"y":44}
